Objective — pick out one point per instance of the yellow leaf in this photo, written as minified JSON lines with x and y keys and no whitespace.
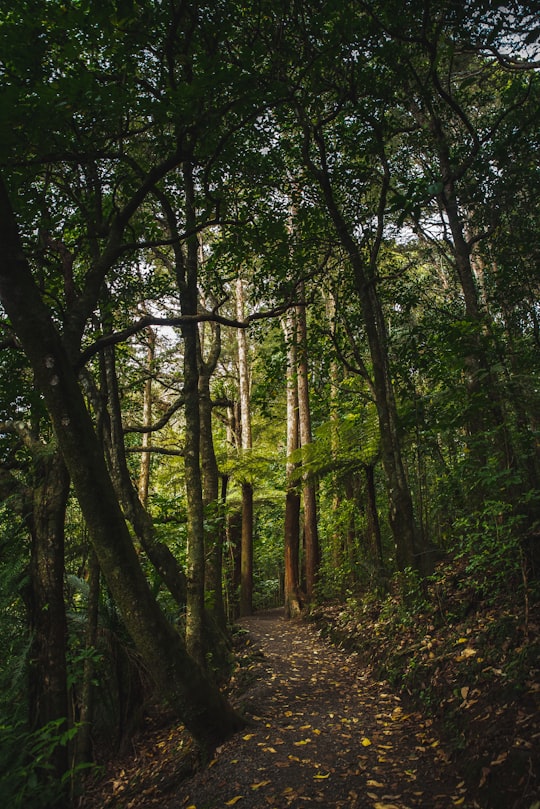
{"x":287,"y":713}
{"x":248,"y":736}
{"x":234,"y":800}
{"x":458,"y":801}
{"x":303,"y":741}
{"x":320,"y":776}
{"x":372,"y":783}
{"x":379,"y":805}
{"x":260,"y":784}
{"x":465,"y":691}
{"x":269,"y":750}
{"x":462,"y":640}
{"x":365,"y":742}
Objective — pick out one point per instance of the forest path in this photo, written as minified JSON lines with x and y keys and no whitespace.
{"x":321,"y":732}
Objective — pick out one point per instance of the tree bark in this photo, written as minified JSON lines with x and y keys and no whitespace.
{"x":373,"y":528}
{"x":49,"y":698}
{"x":144,"y":472}
{"x":182,"y":682}
{"x":246,"y":555}
{"x":309,"y":493}
{"x":293,"y":600}
{"x":188,"y":286}
{"x":213,"y":504}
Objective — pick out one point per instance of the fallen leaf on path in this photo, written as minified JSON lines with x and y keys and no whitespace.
{"x":260,"y":784}
{"x":365,"y":742}
{"x":234,"y":800}
{"x":321,"y":776}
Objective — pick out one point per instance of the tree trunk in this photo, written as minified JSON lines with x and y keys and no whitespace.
{"x":158,"y":553}
{"x":401,"y":512}
{"x":311,"y":533}
{"x":213,"y":504}
{"x":246,"y":556}
{"x":144,"y":472}
{"x":182,"y":682}
{"x":246,"y":553}
{"x":83,"y":740}
{"x":373,"y":530}
{"x":293,"y":601}
{"x":49,"y":698}
{"x":188,"y":286}
{"x":485,"y":411}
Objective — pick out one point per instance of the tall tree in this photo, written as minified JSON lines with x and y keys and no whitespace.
{"x":246,"y":557}
{"x":292,"y":595}
{"x":200,"y":705}
{"x":311,"y":533}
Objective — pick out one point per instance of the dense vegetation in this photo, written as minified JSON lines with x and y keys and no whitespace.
{"x":270,"y":330}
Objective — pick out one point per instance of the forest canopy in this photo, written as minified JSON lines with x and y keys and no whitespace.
{"x":270,"y":333}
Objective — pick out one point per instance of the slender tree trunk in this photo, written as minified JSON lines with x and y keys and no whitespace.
{"x":402,"y":520}
{"x":311,"y":533}
{"x":213,"y":504}
{"x":401,"y":512}
{"x":112,"y":433}
{"x":372,"y":518}
{"x":334,"y":440}
{"x":144,"y":472}
{"x":293,"y":601}
{"x":485,"y":411}
{"x":246,"y":557}
{"x":182,"y":682}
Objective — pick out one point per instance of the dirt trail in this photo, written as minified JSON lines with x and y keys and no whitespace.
{"x":321,"y":733}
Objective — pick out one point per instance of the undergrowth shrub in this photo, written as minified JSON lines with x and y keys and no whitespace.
{"x":27,"y":778}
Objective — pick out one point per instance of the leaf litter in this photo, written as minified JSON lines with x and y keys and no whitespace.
{"x":323,"y":731}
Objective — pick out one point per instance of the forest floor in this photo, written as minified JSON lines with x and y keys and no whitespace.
{"x":325,"y":727}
